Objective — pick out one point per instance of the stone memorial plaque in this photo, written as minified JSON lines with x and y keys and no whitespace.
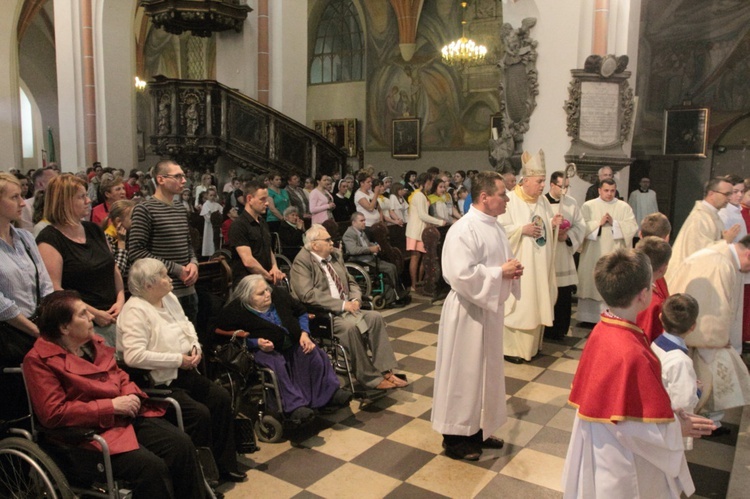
{"x":600,"y":103}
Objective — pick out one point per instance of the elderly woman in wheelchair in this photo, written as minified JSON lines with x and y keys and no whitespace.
{"x":154,"y":334}
{"x":73,"y":380}
{"x":278,"y":332}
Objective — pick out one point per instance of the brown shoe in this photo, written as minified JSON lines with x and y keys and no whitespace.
{"x":385,"y":385}
{"x":400,"y":383}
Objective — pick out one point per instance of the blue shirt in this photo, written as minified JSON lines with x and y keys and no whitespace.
{"x":18,"y":276}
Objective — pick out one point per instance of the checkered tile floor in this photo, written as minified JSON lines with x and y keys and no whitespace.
{"x":388,"y":448}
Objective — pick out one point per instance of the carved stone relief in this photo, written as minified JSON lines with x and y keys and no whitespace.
{"x":518,"y":89}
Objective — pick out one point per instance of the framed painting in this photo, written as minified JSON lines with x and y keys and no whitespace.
{"x":686,"y":132}
{"x":341,"y":133}
{"x":405,"y":143}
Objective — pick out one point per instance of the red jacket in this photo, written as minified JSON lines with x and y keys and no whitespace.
{"x":67,"y":390}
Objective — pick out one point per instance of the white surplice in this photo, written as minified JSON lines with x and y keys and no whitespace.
{"x":209,"y":207}
{"x":626,"y":460}
{"x":643,"y":204}
{"x":701,"y":229}
{"x":565,"y":266}
{"x":469,"y":392}
{"x":599,"y":243}
{"x":713,"y":278}
{"x":524,"y":319}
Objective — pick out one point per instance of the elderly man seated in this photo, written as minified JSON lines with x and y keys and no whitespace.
{"x":319,"y":279}
{"x":153,"y":333}
{"x":361,"y":250}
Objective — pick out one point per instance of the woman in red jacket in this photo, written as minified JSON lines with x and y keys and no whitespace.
{"x":73,"y":380}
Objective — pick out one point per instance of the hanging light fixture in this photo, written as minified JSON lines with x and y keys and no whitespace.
{"x":463,"y":52}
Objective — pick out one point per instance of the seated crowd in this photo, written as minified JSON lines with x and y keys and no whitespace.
{"x":67,"y":286}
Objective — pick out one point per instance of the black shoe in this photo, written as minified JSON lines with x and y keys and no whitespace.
{"x":341,"y":397}
{"x":463,"y":450}
{"x":493,"y":443}
{"x":514,"y":360}
{"x":233,"y":476}
{"x":719,"y":432}
{"x":301,"y":415}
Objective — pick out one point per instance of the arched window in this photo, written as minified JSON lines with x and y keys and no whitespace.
{"x":339,"y":48}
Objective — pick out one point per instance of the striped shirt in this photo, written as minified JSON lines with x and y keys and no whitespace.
{"x":160,"y":230}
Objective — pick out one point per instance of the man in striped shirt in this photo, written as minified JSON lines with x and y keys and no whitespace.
{"x":160,"y":230}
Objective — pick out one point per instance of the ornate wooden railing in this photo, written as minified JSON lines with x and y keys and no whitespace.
{"x":196,"y":121}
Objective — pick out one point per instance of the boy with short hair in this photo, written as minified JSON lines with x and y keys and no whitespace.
{"x":656,"y":224}
{"x":678,"y":315}
{"x":626,"y":440}
{"x":658,"y":252}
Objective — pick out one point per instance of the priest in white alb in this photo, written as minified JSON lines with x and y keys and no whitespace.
{"x":715,"y":277}
{"x":529,"y":223}
{"x":702,"y":227}
{"x":610,"y":225}
{"x":468,"y":404}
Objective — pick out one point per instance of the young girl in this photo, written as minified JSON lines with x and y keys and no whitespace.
{"x":399,"y":206}
{"x":116,"y":227}
{"x":211,"y":205}
{"x":461,"y":194}
{"x":384,"y":203}
{"x":186,"y":201}
{"x":439,"y":206}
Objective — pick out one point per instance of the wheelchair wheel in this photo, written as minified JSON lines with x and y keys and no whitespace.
{"x":360,"y":275}
{"x":378,"y":302}
{"x":26,"y":471}
{"x":268,"y":429}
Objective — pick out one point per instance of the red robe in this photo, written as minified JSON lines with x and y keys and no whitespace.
{"x":648,"y":320}
{"x":619,"y":377}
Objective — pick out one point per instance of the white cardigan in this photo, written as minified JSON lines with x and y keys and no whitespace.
{"x":147,"y":340}
{"x":419,"y":216}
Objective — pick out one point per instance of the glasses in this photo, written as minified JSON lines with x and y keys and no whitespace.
{"x":177,"y":176}
{"x":328,"y":240}
{"x":725,"y":194}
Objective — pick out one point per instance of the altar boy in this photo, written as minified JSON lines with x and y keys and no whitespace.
{"x":626,"y":440}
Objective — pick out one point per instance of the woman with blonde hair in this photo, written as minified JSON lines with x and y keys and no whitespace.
{"x":23,"y":283}
{"x":77,"y":255}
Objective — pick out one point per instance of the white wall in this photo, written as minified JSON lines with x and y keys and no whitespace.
{"x":114,"y":61}
{"x":288,"y":64}
{"x":10,"y":118}
{"x":564,"y":31}
{"x":237,"y":57}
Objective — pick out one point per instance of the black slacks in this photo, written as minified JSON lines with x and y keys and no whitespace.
{"x":207,"y":415}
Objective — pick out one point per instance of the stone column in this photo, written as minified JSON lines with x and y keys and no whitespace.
{"x":69,"y":59}
{"x":10,"y":115}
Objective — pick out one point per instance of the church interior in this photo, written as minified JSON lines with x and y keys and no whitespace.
{"x":650,"y":88}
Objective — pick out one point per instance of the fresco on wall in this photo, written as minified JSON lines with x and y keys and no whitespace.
{"x":695,"y":52}
{"x":455,"y":105}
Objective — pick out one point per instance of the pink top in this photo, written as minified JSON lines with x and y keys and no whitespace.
{"x":319,"y":201}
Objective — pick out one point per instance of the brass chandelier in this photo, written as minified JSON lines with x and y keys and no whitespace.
{"x":463,"y":52}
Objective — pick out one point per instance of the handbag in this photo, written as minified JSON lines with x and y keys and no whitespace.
{"x":234,"y":355}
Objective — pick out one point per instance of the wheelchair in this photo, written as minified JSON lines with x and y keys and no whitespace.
{"x":28,"y":469}
{"x":321,"y":332}
{"x":25,"y":469}
{"x":255,"y":395}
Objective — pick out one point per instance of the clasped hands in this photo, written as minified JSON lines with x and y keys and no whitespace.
{"x":512,"y":269}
